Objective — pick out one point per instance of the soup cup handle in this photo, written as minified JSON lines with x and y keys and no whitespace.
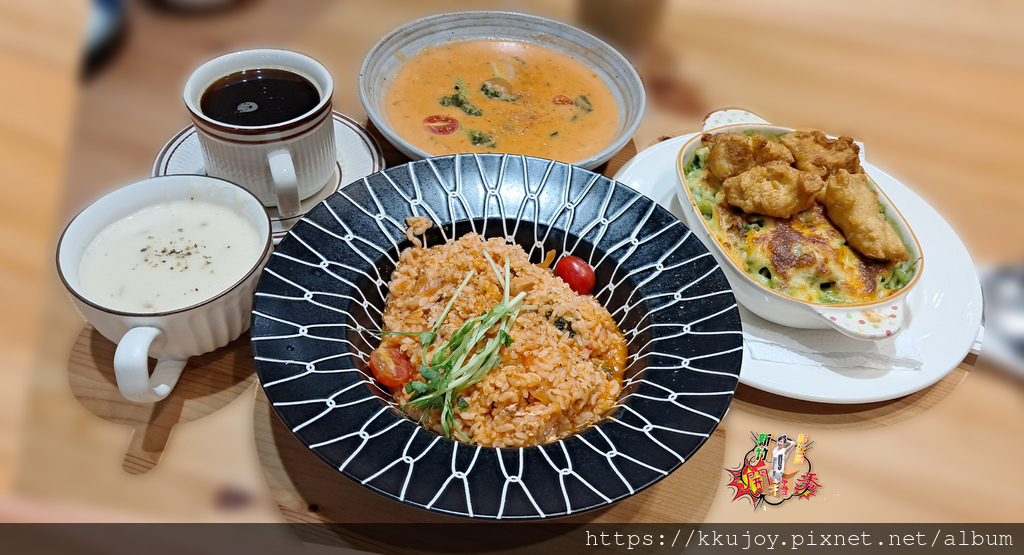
{"x":131,"y":367}
{"x":286,"y":185}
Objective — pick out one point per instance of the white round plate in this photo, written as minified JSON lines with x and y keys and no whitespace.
{"x":945,"y":307}
{"x":359,"y":155}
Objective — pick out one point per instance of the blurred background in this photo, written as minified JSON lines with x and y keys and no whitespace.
{"x":932,"y":88}
{"x":92,"y":91}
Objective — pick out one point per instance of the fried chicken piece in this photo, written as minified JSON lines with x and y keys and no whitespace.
{"x":731,"y":154}
{"x":853,"y":207}
{"x":814,"y":152}
{"x":766,"y":151}
{"x":775,"y":189}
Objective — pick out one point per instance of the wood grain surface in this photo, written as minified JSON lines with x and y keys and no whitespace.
{"x":38,"y":59}
{"x":932,"y":89}
{"x":211,"y":382}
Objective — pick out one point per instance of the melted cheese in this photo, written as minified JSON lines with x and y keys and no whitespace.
{"x":805,"y":257}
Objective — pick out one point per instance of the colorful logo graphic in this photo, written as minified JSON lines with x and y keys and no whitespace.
{"x":768,"y":476}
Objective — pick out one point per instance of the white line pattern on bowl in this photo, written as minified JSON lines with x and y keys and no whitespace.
{"x":616,"y":455}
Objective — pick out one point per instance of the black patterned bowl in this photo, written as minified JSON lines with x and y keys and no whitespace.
{"x":328,"y":278}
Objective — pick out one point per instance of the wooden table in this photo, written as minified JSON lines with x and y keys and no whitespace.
{"x":933,"y":90}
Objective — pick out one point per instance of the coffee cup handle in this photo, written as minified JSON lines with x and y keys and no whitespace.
{"x":131,"y":368}
{"x":285,"y":183}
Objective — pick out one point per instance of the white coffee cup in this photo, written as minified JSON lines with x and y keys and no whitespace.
{"x":171,"y":336}
{"x":281,"y":163}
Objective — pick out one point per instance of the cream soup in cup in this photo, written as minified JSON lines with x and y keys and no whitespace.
{"x":166,"y":268}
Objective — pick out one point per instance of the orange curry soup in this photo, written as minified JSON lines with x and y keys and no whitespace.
{"x":501,"y":96}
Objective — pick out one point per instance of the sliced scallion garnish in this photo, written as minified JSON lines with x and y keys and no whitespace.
{"x":468,"y":355}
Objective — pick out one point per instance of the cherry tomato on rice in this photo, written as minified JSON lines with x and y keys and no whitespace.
{"x":441,"y":125}
{"x":390,"y":366}
{"x":562,"y":99}
{"x":577,"y":274}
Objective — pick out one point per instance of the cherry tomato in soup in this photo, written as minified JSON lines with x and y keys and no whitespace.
{"x":441,"y":125}
{"x":390,"y":366}
{"x":562,"y":99}
{"x":577,"y":274}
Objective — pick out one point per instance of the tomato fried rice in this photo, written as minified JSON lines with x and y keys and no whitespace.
{"x":563,"y":369}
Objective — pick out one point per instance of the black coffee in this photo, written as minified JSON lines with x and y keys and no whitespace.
{"x":259,"y":97}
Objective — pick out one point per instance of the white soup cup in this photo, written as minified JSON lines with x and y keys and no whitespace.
{"x":171,"y":336}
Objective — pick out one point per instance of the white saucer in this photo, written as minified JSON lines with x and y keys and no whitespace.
{"x":946,"y":304}
{"x":358,"y":156}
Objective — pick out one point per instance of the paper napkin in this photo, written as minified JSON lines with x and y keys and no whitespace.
{"x":826,"y":347}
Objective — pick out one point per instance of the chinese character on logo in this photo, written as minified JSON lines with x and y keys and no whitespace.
{"x":801,"y":448}
{"x":761,"y":451}
{"x":757,"y":478}
{"x":807,"y":485}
